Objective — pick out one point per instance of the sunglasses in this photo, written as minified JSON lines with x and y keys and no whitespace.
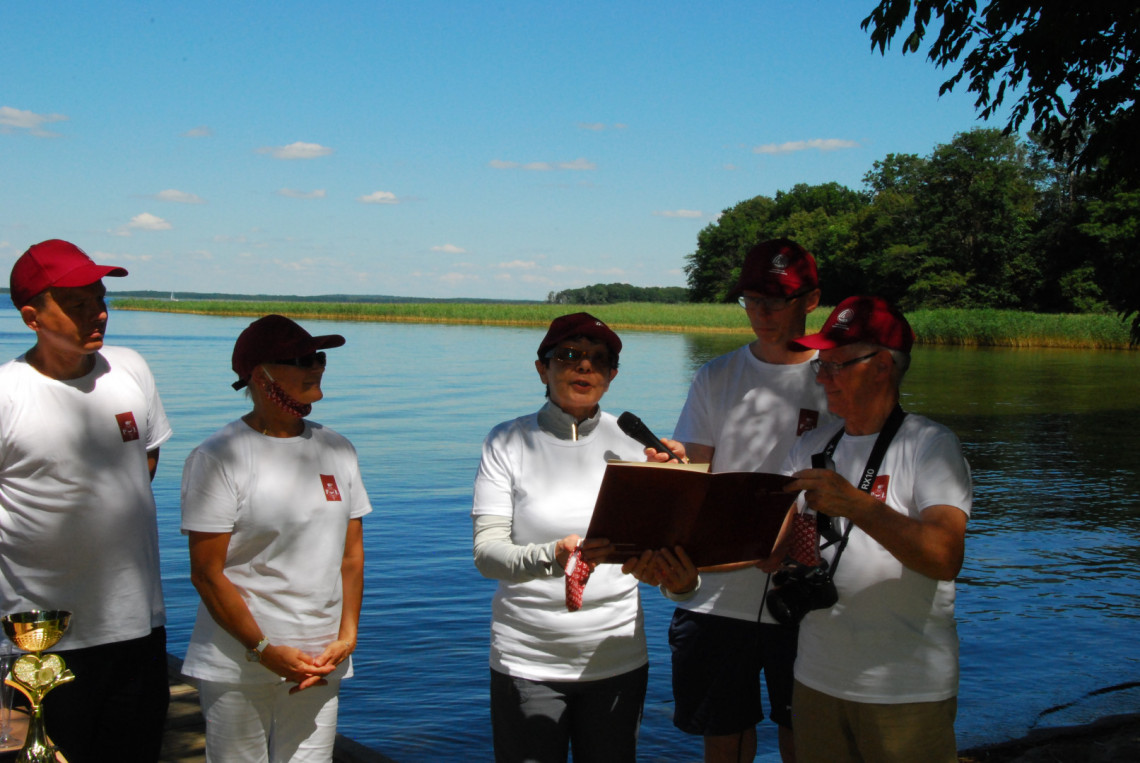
{"x":305,"y":361}
{"x":572,"y":356}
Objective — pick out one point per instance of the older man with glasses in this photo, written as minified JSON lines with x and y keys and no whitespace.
{"x":744,"y":412}
{"x":877,"y":670}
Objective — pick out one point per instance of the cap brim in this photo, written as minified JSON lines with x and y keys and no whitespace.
{"x":328,"y":341}
{"x":89,"y":274}
{"x":817,"y":342}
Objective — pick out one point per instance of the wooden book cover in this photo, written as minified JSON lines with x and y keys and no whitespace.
{"x":718,"y":518}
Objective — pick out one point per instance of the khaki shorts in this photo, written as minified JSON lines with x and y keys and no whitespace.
{"x":832,"y":730}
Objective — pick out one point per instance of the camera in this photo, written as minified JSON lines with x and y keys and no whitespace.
{"x":798,"y":590}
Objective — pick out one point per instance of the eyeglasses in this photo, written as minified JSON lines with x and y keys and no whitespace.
{"x":305,"y":361}
{"x":831,"y":369}
{"x":572,"y":356}
{"x":770,"y":304}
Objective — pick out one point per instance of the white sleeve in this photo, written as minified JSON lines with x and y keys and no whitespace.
{"x":694,"y":424}
{"x":209,"y":497}
{"x":942,"y":475}
{"x":497,"y":557}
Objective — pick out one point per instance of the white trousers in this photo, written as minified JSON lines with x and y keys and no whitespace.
{"x":264,"y":723}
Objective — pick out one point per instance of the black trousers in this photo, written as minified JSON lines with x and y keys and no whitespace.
{"x":115,"y":709}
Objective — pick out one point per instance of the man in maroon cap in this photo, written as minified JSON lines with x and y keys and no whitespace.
{"x":877,"y":669}
{"x":744,"y":412}
{"x":80,"y":430}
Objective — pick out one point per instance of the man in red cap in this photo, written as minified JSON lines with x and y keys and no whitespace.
{"x":744,"y":412}
{"x":877,"y":669}
{"x":80,"y":430}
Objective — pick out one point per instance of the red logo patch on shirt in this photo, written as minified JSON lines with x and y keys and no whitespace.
{"x":332,"y":493}
{"x":809,"y":420}
{"x":879,"y":487}
{"x":127,"y":426}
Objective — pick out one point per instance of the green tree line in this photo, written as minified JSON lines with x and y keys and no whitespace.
{"x":613,"y":293}
{"x":987,"y":220}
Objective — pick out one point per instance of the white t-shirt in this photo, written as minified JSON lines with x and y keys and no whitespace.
{"x":77,"y":515}
{"x":548,"y":487}
{"x":751,"y":412}
{"x":891,"y":637}
{"x":286,"y":502}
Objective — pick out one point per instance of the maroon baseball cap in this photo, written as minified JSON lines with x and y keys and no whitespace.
{"x":578,"y":324}
{"x":55,"y":263}
{"x":777,"y":268}
{"x":862,"y":320}
{"x":271,"y":338}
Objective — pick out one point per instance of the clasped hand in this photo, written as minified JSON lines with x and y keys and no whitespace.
{"x":303,"y":669}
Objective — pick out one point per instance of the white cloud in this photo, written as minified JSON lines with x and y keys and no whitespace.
{"x":201,"y":131}
{"x":296,"y":150}
{"x":679,"y":213}
{"x":829,"y":144}
{"x":576,"y":165}
{"x":518,"y":265}
{"x":291,"y":193}
{"x":147,"y":221}
{"x":179,"y":197}
{"x":379,"y":197}
{"x":449,"y":249}
{"x":16,"y":119}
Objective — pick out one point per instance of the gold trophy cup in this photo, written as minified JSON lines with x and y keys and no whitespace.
{"x":36,"y":674}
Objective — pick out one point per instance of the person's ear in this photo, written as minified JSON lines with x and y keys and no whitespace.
{"x":28,"y":315}
{"x":542,"y":369}
{"x":885,"y":362}
{"x":811,"y":300}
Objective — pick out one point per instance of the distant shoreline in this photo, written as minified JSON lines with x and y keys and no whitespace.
{"x":971,"y":328}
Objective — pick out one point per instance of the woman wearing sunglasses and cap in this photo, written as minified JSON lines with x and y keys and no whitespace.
{"x":272,"y":504}
{"x":569,"y":665}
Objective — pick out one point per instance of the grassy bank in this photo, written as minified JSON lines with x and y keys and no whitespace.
{"x":983,"y":328}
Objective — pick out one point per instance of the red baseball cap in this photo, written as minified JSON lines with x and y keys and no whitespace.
{"x":862,"y":320}
{"x":578,"y":324}
{"x":777,"y":268}
{"x":271,"y":338}
{"x":55,"y":263}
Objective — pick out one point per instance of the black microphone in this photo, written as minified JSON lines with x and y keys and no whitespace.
{"x":635,"y":428}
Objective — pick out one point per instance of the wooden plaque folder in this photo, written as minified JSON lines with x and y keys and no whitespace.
{"x":718,"y":518}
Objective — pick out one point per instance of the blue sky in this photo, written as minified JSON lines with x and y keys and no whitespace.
{"x":433,"y":149}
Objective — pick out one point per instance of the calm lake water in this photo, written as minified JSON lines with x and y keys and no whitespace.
{"x":1046,"y":602}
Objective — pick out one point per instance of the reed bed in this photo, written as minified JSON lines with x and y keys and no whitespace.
{"x":980,"y":328}
{"x":1011,"y":328}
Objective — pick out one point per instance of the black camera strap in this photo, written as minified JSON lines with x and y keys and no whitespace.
{"x":866,"y":481}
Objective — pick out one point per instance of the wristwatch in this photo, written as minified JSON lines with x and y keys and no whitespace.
{"x":254,"y":655}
